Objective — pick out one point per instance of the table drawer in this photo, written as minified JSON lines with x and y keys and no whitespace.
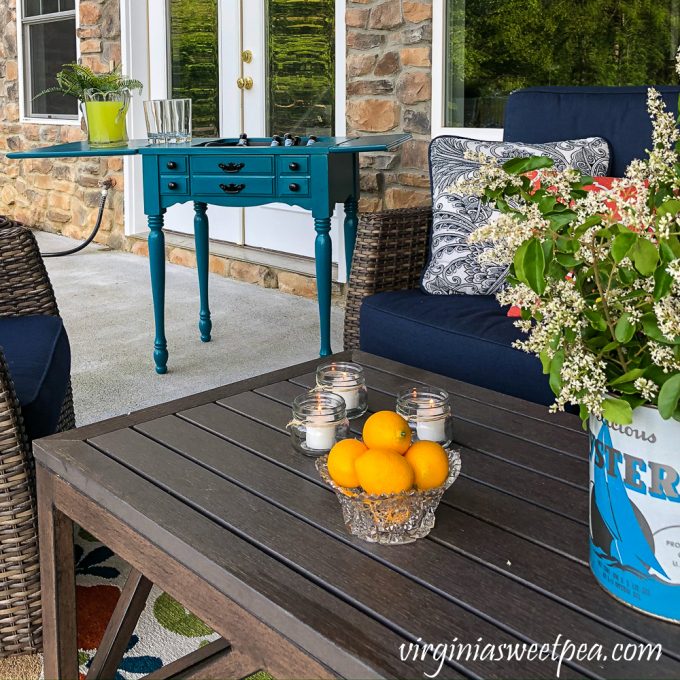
{"x":172,"y":164}
{"x":292,"y":165}
{"x":174,"y":185}
{"x":293,"y":186}
{"x":233,"y":165}
{"x":219,"y":185}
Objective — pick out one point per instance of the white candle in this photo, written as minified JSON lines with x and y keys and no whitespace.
{"x":320,"y":436}
{"x":350,"y":395}
{"x":431,"y":424}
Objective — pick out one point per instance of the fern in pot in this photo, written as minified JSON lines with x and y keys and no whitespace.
{"x":594,"y":268}
{"x":104,"y":99}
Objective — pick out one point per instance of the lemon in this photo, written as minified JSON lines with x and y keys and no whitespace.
{"x":341,"y":461}
{"x":387,"y":430}
{"x":430,"y":464}
{"x":381,"y":471}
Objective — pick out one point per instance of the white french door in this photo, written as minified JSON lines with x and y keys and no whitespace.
{"x":236,"y":43}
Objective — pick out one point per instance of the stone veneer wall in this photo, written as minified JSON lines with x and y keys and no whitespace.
{"x":389,"y":89}
{"x":58,"y":195}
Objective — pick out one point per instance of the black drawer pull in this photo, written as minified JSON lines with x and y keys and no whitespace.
{"x":171,"y":165}
{"x":232,"y":188}
{"x":294,"y":187}
{"x":231,"y":167}
{"x":172,"y":185}
{"x":293,"y":166}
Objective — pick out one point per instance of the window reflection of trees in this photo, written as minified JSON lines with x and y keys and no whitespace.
{"x":496,"y":46}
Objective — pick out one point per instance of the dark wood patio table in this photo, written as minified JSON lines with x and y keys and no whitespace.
{"x":206,"y":498}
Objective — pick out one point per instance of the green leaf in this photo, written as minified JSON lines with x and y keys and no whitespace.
{"x":545,"y":361}
{"x":519,"y":261}
{"x":629,"y":376}
{"x":597,"y":321}
{"x":671,"y":207}
{"x":669,"y":395}
{"x":667,"y":254}
{"x":555,"y":368}
{"x":566,"y":260}
{"x":518,"y":166}
{"x":625,"y":330}
{"x":560,"y":219}
{"x":645,"y":256}
{"x":533,"y":266}
{"x":617,"y":411}
{"x":621,"y":245}
{"x":662,"y":283}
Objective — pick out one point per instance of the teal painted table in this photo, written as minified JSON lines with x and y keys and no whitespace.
{"x":218,"y":172}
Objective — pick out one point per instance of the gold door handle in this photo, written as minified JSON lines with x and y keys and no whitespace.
{"x":247,"y":56}
{"x":246,"y":83}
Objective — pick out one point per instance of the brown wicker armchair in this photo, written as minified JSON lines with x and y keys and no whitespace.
{"x":390,"y":254}
{"x":25,"y":289}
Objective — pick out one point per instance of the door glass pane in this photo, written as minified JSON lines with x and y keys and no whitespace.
{"x":496,"y":46}
{"x":194,"y":63}
{"x":300,"y":44}
{"x":50,"y":45}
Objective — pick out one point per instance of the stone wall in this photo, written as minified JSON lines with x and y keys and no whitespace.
{"x":389,"y":89}
{"x":58,"y":195}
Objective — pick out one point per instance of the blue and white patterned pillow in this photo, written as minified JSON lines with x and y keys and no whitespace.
{"x":453,"y":266}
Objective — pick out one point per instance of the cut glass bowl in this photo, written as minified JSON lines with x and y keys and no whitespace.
{"x":394,"y":519}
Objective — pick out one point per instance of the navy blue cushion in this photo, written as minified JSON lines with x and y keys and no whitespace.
{"x":39,"y":357}
{"x":619,"y":114}
{"x":467,"y":337}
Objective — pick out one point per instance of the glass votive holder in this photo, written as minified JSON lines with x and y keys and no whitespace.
{"x":347,"y":380}
{"x":319,"y":421}
{"x":428,"y":412}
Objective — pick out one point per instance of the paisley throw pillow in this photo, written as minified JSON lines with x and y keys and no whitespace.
{"x":453,"y":266}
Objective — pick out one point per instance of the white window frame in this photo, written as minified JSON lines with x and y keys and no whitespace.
{"x":438,"y":91}
{"x":24,"y":117}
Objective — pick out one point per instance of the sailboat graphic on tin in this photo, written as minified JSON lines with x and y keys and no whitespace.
{"x":618,"y":528}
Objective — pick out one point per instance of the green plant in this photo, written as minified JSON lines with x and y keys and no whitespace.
{"x":75,"y":79}
{"x":595,"y":271}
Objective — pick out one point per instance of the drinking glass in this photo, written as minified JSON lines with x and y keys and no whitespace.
{"x":168,"y":120}
{"x":154,"y":120}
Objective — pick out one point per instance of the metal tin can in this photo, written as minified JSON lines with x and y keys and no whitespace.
{"x":635,"y":511}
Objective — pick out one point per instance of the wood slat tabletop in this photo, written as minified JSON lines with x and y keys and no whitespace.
{"x":214,"y":482}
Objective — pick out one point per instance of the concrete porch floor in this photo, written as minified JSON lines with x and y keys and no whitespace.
{"x":105,"y":300}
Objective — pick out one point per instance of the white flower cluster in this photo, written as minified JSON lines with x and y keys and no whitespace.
{"x":584,"y":381}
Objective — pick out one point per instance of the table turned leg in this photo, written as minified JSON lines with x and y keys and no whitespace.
{"x":201,"y":236}
{"x":323,"y":252}
{"x":58,"y":582}
{"x":351,"y":222}
{"x":157,"y":266}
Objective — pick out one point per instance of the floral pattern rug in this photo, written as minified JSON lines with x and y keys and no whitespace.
{"x":166,"y":630}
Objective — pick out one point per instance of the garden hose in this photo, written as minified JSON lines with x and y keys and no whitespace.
{"x":106,"y":185}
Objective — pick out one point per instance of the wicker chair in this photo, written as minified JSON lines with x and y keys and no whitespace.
{"x":390,"y":254}
{"x":25,"y":289}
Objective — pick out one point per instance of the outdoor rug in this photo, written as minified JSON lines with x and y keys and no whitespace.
{"x":166,"y":630}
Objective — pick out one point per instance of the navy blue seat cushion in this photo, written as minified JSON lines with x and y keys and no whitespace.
{"x":619,"y":114}
{"x":466,"y":337}
{"x":39,"y":357}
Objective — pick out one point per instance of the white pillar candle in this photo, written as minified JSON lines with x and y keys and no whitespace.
{"x":320,"y":435}
{"x":431,"y":424}
{"x":350,"y":395}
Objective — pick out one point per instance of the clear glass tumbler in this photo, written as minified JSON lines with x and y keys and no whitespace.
{"x":168,"y":120}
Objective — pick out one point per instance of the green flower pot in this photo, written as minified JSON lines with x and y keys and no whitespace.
{"x":105,"y":113}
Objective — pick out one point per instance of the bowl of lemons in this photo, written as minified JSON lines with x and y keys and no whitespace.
{"x":388,"y":486}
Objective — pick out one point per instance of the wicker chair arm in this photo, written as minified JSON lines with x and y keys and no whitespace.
{"x":25,"y":287}
{"x":390,"y":254}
